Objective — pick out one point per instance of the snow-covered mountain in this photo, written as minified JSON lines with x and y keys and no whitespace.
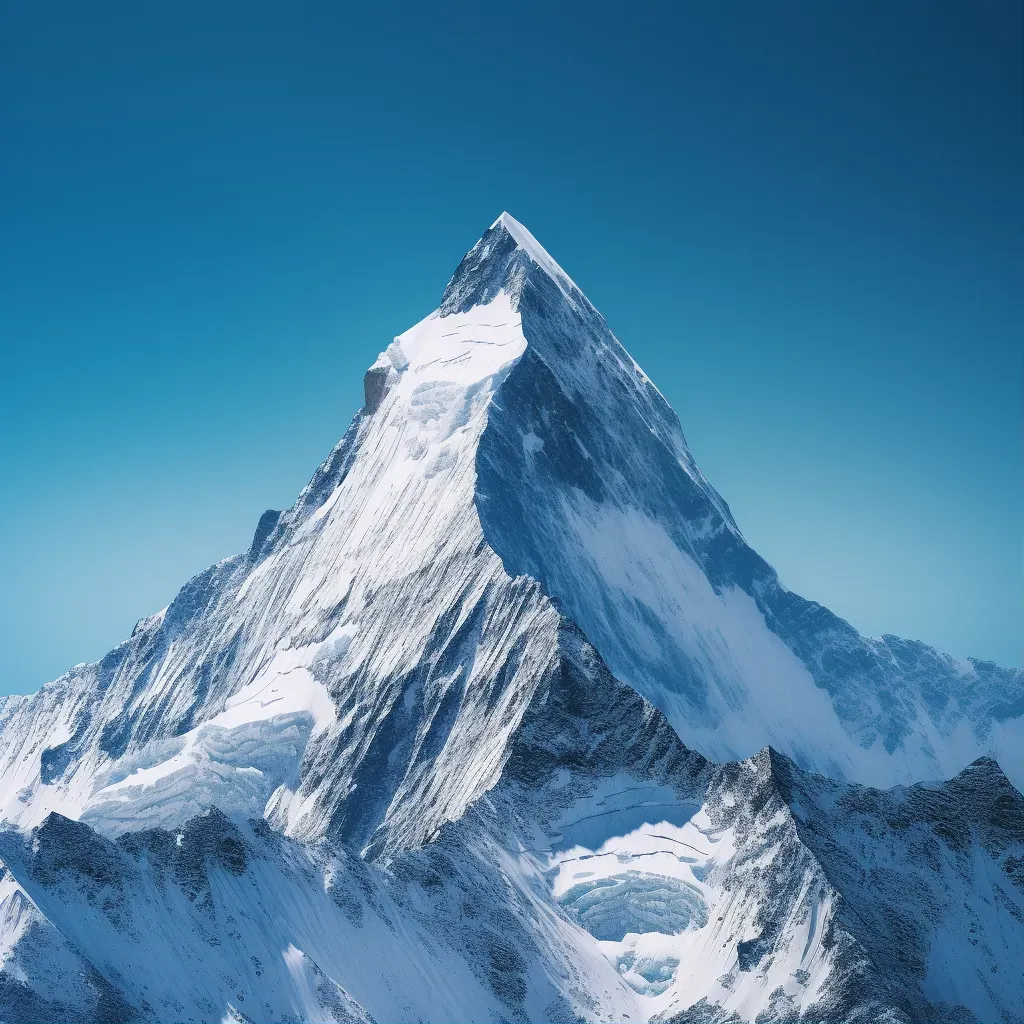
{"x":449,"y":741}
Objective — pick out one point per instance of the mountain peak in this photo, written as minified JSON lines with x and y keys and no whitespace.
{"x":498,"y":262}
{"x":525,"y":240}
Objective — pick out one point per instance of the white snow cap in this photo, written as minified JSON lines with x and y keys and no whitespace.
{"x":525,"y":240}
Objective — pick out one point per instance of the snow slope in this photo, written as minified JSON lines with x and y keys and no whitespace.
{"x":338,"y":674}
{"x":480,"y":639}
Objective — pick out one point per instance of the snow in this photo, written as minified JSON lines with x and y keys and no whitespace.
{"x":285,"y":687}
{"x":539,"y":255}
{"x":653,"y":896}
{"x":759,"y":692}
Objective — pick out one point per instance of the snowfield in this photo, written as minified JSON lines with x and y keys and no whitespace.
{"x":503,"y":720}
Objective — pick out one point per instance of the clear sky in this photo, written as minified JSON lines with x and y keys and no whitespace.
{"x":804,"y":220}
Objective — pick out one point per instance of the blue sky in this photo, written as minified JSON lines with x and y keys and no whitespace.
{"x":803,"y":220}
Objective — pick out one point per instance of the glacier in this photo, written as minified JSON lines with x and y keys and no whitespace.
{"x":504,"y":720}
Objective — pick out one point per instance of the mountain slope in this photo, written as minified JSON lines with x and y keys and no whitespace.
{"x":586,"y":484}
{"x":338,"y":674}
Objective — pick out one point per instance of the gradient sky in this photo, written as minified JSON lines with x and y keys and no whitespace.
{"x":805,"y":221}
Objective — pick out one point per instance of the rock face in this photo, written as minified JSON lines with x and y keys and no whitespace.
{"x":504,"y":720}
